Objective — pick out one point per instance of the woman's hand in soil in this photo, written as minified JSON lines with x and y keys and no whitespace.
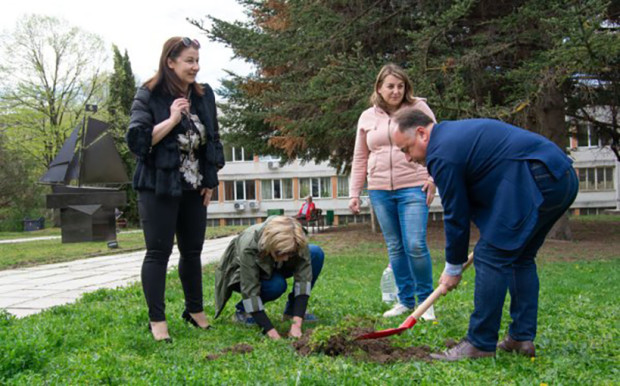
{"x":273,"y":334}
{"x":295,"y":331}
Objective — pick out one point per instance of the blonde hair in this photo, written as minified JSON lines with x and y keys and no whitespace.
{"x":282,"y":235}
{"x":398,"y":72}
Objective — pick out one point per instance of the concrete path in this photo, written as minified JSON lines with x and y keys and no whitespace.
{"x":28,"y":291}
{"x":28,"y":239}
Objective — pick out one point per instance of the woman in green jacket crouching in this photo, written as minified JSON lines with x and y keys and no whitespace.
{"x":257,"y":263}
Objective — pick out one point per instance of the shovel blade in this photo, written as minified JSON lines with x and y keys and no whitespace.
{"x":381,"y":334}
{"x":407,"y":324}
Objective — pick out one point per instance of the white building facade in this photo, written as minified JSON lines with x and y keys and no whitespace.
{"x":598,"y":171}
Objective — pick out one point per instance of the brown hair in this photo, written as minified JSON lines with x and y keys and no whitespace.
{"x":282,"y":234}
{"x":397,"y":71}
{"x":165,"y":78}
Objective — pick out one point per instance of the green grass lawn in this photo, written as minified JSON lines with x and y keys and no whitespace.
{"x":103,"y":338}
{"x":597,"y":218}
{"x":31,"y":253}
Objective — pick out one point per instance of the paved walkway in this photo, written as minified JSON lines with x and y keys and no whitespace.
{"x":28,"y":239}
{"x":28,"y":291}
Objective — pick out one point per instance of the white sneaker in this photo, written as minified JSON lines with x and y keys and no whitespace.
{"x":398,"y":309}
{"x":429,"y":314}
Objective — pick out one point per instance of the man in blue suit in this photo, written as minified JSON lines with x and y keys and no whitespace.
{"x":514,"y":185}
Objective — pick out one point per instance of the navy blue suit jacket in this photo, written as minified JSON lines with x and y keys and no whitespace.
{"x":480,"y":168}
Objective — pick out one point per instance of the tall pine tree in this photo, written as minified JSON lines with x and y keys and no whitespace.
{"x":122,"y":88}
{"x":122,"y":84}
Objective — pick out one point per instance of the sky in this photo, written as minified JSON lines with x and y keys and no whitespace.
{"x":141,"y":27}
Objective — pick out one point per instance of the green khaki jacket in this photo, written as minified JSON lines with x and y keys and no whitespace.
{"x":243,"y":263}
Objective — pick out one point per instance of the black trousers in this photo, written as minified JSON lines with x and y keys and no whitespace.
{"x":162,"y":218}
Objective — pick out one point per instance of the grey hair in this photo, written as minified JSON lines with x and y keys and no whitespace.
{"x":408,"y":119}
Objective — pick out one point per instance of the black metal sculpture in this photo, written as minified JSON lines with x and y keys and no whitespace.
{"x":86,"y":176}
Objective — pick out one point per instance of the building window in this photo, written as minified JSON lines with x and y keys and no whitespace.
{"x":587,"y":136}
{"x":229,"y":190}
{"x":317,"y":187}
{"x":364,"y":192}
{"x":240,"y":221}
{"x":267,"y":158}
{"x":239,"y":190}
{"x":325,"y":186}
{"x":304,"y":187}
{"x":343,"y":186}
{"x":250,"y":190}
{"x":215,"y":194}
{"x":600,"y":178}
{"x":287,"y":189}
{"x":354,"y":219}
{"x":236,"y":154}
{"x":213,"y":222}
{"x":280,"y":189}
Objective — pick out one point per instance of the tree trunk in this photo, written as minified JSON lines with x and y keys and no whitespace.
{"x":374,"y":223}
{"x":549,"y":120}
{"x":617,"y":184}
{"x":561,"y":230}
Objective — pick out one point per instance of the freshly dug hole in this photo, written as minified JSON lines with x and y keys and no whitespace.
{"x":343,"y":343}
{"x":241,"y":348}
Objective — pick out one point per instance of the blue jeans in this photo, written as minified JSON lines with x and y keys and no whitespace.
{"x":403,"y":216}
{"x":273,"y":288}
{"x":499,"y":271}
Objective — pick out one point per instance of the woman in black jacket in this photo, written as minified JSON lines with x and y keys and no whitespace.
{"x":175,"y":136}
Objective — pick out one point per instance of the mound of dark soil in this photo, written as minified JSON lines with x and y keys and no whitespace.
{"x":374,"y":350}
{"x":241,"y":348}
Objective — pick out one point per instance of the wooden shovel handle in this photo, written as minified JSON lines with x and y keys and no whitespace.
{"x":437,"y":293}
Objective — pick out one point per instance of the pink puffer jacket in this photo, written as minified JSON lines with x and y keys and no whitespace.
{"x":375,"y":157}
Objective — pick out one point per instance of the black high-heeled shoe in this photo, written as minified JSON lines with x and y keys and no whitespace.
{"x":188,"y":318}
{"x":165,"y":340}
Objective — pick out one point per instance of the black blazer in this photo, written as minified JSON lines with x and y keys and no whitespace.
{"x":158,"y":166}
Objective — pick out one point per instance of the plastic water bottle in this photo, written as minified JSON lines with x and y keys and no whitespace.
{"x":389,"y":292}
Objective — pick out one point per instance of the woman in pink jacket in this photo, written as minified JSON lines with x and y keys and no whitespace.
{"x":400,"y":191}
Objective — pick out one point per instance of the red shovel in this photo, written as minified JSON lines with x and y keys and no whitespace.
{"x":413,"y":318}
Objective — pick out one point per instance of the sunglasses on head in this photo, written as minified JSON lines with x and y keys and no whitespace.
{"x":187,"y":42}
